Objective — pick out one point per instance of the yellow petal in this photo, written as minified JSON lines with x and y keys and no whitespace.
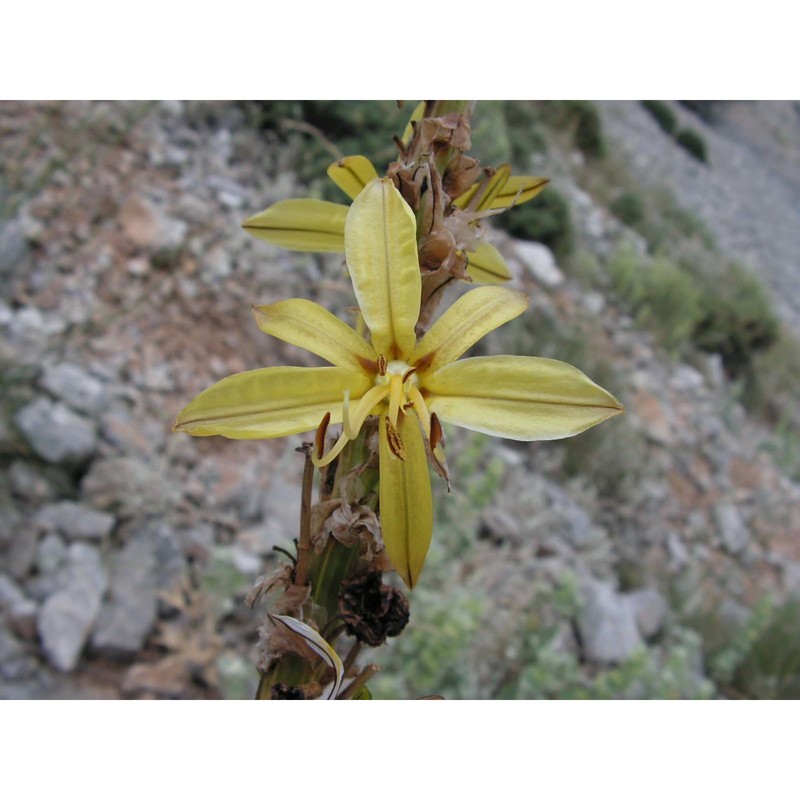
{"x":486,"y":265}
{"x":312,"y":327}
{"x":517,"y":189}
{"x":310,"y":225}
{"x":469,"y":319}
{"x":265,"y":403}
{"x":416,"y":116}
{"x":518,"y":397}
{"x":352,"y":174}
{"x":406,"y":505}
{"x":381,"y":250}
{"x":489,"y":188}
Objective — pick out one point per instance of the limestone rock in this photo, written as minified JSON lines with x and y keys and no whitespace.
{"x":607,"y":624}
{"x":541,"y":263}
{"x":67,"y":616}
{"x":74,"y":520}
{"x":75,"y":386}
{"x":57,"y":434}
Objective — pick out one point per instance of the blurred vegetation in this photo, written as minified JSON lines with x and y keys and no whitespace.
{"x":320,"y":131}
{"x":544,"y":219}
{"x":753,"y":654}
{"x":693,"y":143}
{"x":466,"y":642}
{"x":662,"y":114}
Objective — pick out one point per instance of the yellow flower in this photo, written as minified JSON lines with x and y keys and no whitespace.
{"x":310,"y":225}
{"x":410,"y":384}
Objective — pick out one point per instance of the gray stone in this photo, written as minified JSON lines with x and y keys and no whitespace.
{"x":650,"y":610}
{"x":67,"y":616}
{"x":75,"y":386}
{"x":57,"y":434}
{"x":15,"y":661}
{"x":17,"y":608}
{"x":128,"y":485}
{"x":791,"y":576}
{"x":733,"y":532}
{"x":149,"y":562}
{"x":686,"y":379}
{"x":14,"y":250}
{"x":51,"y":553}
{"x":75,"y":520}
{"x":540,"y":263}
{"x":24,"y":541}
{"x":29,"y":482}
{"x":607,"y":624}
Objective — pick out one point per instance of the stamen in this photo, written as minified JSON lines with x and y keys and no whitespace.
{"x":436,"y":431}
{"x":408,"y":373}
{"x":332,"y":453}
{"x":382,"y":364}
{"x":319,"y":439}
{"x":365,"y":405}
{"x":421,"y":409}
{"x":394,"y":440}
{"x":395,"y":397}
{"x":346,"y":427}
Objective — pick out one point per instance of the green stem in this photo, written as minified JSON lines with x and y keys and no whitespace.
{"x":327,"y":570}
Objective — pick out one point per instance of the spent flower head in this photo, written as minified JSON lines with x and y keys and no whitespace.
{"x":411,"y":385}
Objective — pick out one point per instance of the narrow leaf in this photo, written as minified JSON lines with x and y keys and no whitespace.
{"x":352,"y":174}
{"x":305,"y":224}
{"x":318,"y":645}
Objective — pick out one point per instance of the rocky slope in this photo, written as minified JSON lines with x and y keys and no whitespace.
{"x":127,"y":550}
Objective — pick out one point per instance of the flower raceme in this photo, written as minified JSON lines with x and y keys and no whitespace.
{"x":411,"y":385}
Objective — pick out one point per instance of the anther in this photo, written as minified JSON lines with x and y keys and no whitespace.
{"x":394,"y":440}
{"x":382,"y":365}
{"x":436,"y":431}
{"x":319,"y":439}
{"x":408,"y":373}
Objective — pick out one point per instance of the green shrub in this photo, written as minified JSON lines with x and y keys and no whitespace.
{"x":662,"y":295}
{"x":328,"y":126}
{"x":525,"y":130}
{"x":629,"y":209}
{"x":588,"y":130}
{"x":775,"y":387}
{"x":662,"y":114}
{"x":736,"y":319}
{"x":544,"y":219}
{"x":693,"y":143}
{"x":771,"y":668}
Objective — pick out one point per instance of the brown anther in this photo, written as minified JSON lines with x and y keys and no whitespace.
{"x":395,"y":442}
{"x":382,"y":364}
{"x":408,"y":373}
{"x":319,"y":439}
{"x":436,"y":431}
